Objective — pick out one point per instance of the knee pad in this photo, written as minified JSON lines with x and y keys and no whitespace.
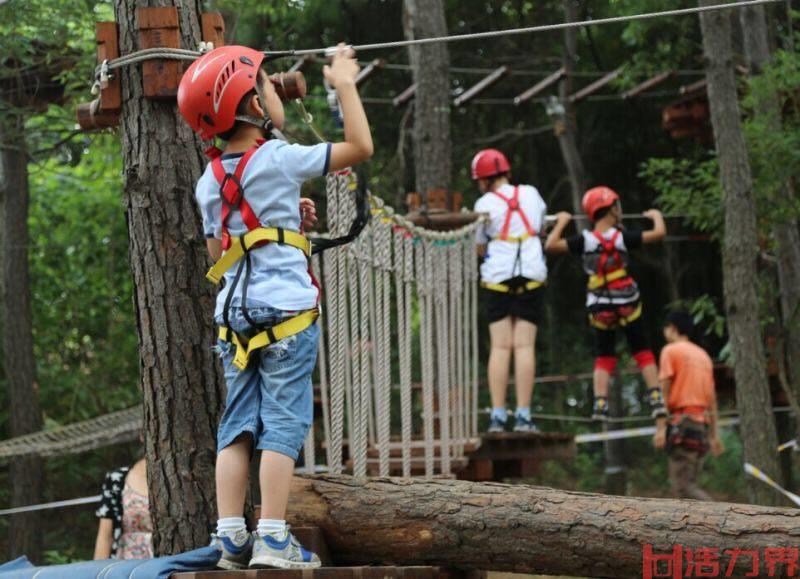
{"x":644,"y":359}
{"x":607,"y":363}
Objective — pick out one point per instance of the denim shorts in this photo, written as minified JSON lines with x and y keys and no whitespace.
{"x":272,"y":399}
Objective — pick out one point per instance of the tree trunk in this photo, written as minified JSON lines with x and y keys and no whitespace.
{"x":25,"y":415}
{"x":786,"y":234}
{"x":739,"y":255}
{"x":181,"y":379}
{"x":565,"y":120}
{"x":431,"y":70}
{"x":522,"y":528}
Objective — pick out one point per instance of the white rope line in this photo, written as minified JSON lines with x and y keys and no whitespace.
{"x":183,"y":54}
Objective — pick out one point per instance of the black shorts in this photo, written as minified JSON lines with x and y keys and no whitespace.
{"x":527,"y":305}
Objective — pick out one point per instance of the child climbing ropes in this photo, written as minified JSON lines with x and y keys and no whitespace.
{"x":612,"y":296}
{"x":513,"y":274}
{"x":687,"y":379}
{"x":267,"y":308}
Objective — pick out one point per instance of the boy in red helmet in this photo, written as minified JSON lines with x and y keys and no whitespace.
{"x":249,"y":197}
{"x":612,"y":296}
{"x":513,"y":274}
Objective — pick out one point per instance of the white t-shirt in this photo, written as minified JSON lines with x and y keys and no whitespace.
{"x":508,"y":259}
{"x":271,"y":183}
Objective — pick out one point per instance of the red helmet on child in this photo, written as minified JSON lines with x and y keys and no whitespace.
{"x":598,"y":198}
{"x":214,"y":85}
{"x":488,"y":163}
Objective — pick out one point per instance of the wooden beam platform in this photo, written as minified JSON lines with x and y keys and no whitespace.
{"x":337,"y":573}
{"x":513,"y":455}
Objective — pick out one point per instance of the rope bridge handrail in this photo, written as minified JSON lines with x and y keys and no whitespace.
{"x":117,"y":427}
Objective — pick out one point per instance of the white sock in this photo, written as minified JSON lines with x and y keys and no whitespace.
{"x":230,"y":526}
{"x":500,"y":413}
{"x":271,"y":526}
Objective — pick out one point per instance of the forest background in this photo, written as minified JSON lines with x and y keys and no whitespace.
{"x":81,"y":290}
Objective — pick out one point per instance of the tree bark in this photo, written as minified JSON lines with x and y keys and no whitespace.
{"x":431,"y":72}
{"x":181,"y":380}
{"x":739,"y":255}
{"x":785,"y":232}
{"x":25,"y":415}
{"x":565,"y":122}
{"x":522,"y":528}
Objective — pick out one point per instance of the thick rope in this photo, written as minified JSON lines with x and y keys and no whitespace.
{"x":441,"y":296}
{"x":323,"y":370}
{"x":404,"y":264}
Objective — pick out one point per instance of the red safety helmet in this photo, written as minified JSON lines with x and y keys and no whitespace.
{"x":488,"y":163}
{"x":214,"y":85}
{"x":598,"y":198}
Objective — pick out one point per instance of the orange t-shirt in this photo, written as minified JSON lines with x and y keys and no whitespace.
{"x":691,"y":372}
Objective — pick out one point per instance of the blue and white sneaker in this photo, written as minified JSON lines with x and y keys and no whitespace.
{"x":236,"y":550}
{"x":522,"y":424}
{"x":496,"y":425}
{"x":284,"y":552}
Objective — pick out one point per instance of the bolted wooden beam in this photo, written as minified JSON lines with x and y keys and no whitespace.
{"x":213,"y":26}
{"x":159,"y":28}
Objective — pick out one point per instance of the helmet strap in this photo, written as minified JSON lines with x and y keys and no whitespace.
{"x":265,"y":123}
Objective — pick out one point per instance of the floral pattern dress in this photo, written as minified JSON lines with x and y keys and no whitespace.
{"x":130,"y":515}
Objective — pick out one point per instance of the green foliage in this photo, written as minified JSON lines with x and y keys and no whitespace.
{"x":688,"y":187}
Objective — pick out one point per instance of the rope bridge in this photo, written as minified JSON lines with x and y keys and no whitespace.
{"x":422,"y":283}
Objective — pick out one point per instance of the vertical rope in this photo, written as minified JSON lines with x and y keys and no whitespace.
{"x":323,"y":368}
{"x":335,"y":315}
{"x":361,"y":418}
{"x":309,"y":456}
{"x":467,"y":253}
{"x":384,"y":356}
{"x":455,"y":286}
{"x":441,"y":296}
{"x":473,"y":330}
{"x":423,"y":263}
{"x":404,"y":263}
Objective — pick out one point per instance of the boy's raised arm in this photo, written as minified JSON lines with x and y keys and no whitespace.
{"x":556,"y":243}
{"x":659,"y":230}
{"x":357,"y":145}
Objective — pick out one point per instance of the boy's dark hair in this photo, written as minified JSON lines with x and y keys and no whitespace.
{"x":600,"y":213}
{"x":495,"y":178}
{"x":682,"y":321}
{"x":242,"y":108}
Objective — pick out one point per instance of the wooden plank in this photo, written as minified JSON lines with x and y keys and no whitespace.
{"x":481,"y":86}
{"x":159,"y":28}
{"x":107,"y":35}
{"x":648,"y":84}
{"x":595,"y":86}
{"x":540,"y":86}
{"x":405,"y":96}
{"x":368,"y":71}
{"x":213,"y":27}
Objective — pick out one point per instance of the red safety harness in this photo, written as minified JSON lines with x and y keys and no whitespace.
{"x":514,"y":207}
{"x":231,"y":191}
{"x":609,"y":253}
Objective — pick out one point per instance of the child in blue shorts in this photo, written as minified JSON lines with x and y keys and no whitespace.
{"x":249,"y":197}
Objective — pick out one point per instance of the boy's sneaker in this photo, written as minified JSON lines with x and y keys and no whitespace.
{"x":496,"y":425}
{"x":600,"y":411}
{"x":236,"y":550}
{"x":283,"y":553}
{"x":522,"y":424}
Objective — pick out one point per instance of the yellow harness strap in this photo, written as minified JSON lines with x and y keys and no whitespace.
{"x":503,"y":288}
{"x":510,"y":239}
{"x":598,"y":281}
{"x":245,"y":348}
{"x":251,"y":238}
{"x":637,"y":313}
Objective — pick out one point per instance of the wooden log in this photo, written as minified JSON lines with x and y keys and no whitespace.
{"x":524,"y":528}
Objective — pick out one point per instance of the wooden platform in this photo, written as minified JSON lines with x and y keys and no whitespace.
{"x":313,"y":539}
{"x":338,"y":573}
{"x":504,"y":455}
